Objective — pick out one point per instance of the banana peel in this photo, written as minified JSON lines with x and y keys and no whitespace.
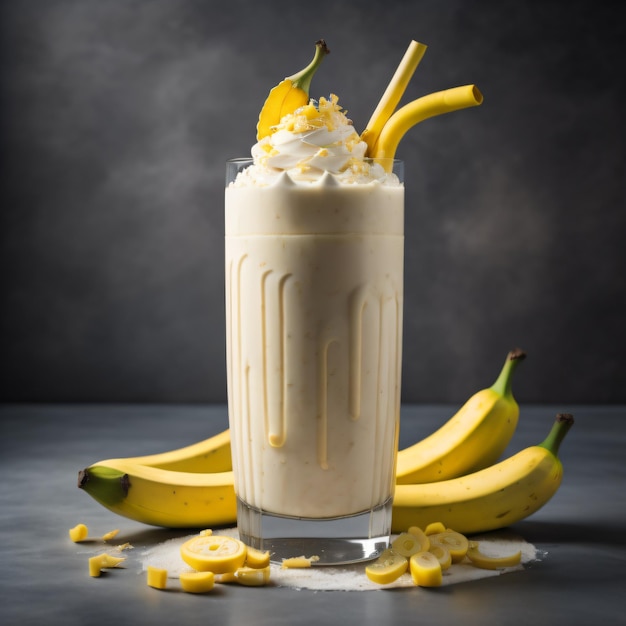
{"x":290,"y":94}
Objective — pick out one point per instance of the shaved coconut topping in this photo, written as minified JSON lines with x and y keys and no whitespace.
{"x":310,"y":143}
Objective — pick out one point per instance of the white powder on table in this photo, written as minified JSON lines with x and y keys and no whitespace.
{"x":352,"y":577}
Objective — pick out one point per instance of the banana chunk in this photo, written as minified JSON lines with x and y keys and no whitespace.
{"x":491,"y":562}
{"x":197,"y":582}
{"x":248,"y":576}
{"x":214,"y":553}
{"x":78,"y":533}
{"x":157,"y":577}
{"x":299,"y":562}
{"x":407,"y":544}
{"x":456,"y":543}
{"x":102,"y":561}
{"x":425,"y":569}
{"x":110,"y":535}
{"x":389,"y":566}
{"x":95,"y":567}
{"x":434,"y":528}
{"x":442,"y":554}
{"x":257,"y":559}
{"x":421,"y":536}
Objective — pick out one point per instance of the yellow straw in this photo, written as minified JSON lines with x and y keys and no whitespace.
{"x":392,"y":95}
{"x":421,"y":109}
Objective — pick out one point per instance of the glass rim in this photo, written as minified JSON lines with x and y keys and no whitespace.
{"x":239,"y":160}
{"x":236,"y":165}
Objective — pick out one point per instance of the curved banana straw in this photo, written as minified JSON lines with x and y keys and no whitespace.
{"x":393,"y":94}
{"x":421,"y":109}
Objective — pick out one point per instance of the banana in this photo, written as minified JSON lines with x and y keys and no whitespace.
{"x":193,"y":486}
{"x":490,"y":417}
{"x":210,"y":455}
{"x":290,"y":94}
{"x":161,"y":497}
{"x":489,"y":499}
{"x":492,"y":498}
{"x":485,"y":500}
{"x":186,"y":487}
{"x":474,"y":438}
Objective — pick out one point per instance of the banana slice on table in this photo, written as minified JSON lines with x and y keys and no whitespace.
{"x":197,"y":582}
{"x":491,"y":562}
{"x":389,"y":566}
{"x":214,"y":553}
{"x":425,"y":569}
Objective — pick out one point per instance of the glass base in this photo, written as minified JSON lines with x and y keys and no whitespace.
{"x":336,"y":541}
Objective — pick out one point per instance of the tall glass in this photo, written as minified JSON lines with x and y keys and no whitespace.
{"x":314,"y":296}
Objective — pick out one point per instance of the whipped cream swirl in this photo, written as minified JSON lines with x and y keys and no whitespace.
{"x":310,"y":143}
{"x":316,"y":136}
{"x":320,"y":149}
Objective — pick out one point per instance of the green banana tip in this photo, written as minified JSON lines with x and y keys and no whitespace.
{"x":561,"y":426}
{"x":92,"y":475}
{"x":503,"y":384}
{"x":302,"y":79}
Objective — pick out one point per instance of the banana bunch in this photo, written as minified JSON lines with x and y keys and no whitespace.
{"x":451,"y":476}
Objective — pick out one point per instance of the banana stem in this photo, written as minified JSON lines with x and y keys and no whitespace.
{"x":561,"y":426}
{"x":104,"y":484}
{"x":302,"y":79}
{"x":504,"y":383}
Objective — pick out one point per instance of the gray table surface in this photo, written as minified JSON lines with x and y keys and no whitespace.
{"x":43,"y":576}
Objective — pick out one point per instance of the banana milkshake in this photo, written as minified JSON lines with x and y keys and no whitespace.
{"x":314,"y":295}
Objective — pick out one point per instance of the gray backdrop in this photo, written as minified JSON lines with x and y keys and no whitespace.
{"x":117,"y":117}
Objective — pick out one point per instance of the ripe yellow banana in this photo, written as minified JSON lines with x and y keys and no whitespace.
{"x":472,"y":439}
{"x":193,"y":486}
{"x":208,"y":456}
{"x":187,"y":487}
{"x":492,"y":498}
{"x":290,"y":94}
{"x":161,"y":497}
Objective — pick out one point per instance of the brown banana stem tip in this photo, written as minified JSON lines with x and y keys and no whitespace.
{"x":517,"y":353}
{"x":83,"y":477}
{"x":565,"y":417}
{"x":322,"y":42}
{"x":125,"y":482}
